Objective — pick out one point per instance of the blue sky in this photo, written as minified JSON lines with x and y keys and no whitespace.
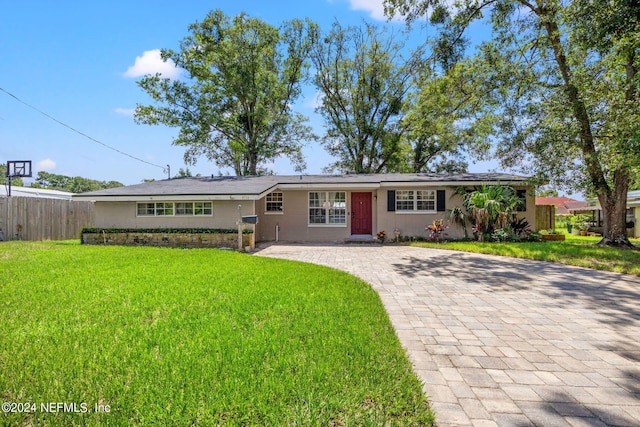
{"x":79,"y":61}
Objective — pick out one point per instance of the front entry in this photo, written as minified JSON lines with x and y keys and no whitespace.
{"x":361,"y":217}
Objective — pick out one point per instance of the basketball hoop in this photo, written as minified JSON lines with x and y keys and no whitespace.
{"x":18,"y":169}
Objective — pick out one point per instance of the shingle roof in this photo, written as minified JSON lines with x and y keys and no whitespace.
{"x":564,"y":205}
{"x":255,"y":185}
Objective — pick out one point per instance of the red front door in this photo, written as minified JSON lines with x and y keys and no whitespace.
{"x":361,"y":213}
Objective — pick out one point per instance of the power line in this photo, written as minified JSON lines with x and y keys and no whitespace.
{"x":79,"y":132}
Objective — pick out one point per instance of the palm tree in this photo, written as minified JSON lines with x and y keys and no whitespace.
{"x":458,"y":217}
{"x":491,"y":206}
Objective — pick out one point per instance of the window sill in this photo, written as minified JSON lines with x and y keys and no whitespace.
{"x":415,"y":212}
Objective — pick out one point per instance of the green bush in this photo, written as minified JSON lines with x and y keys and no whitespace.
{"x":91,"y":230}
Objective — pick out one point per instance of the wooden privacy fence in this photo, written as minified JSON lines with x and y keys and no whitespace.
{"x":545,"y":217}
{"x":29,"y":218}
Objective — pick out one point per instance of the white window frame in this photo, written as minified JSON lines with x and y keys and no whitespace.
{"x":146,"y":209}
{"x":206,"y":209}
{"x":274,"y":199}
{"x":201,"y":208}
{"x":165,"y":209}
{"x":325,"y":204}
{"x":412,"y":199}
{"x":185,"y":205}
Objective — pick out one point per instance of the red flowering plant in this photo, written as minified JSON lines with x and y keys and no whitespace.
{"x":477,"y":232}
{"x":437,"y":230}
{"x":381,"y":235}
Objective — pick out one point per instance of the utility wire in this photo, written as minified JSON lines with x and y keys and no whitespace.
{"x":78,"y":132}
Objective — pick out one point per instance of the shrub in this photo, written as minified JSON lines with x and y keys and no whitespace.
{"x":534,"y":237}
{"x":437,"y":230}
{"x":165,"y":230}
{"x":504,"y":235}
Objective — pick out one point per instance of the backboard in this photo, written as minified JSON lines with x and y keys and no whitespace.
{"x":19,"y":168}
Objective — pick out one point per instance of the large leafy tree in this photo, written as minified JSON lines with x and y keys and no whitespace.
{"x":75,"y":184}
{"x":562,"y":76}
{"x":363,"y":81}
{"x":234,"y":105}
{"x":3,"y":177}
{"x":444,"y":117}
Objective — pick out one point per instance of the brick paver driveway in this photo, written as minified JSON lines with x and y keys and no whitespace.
{"x":501,"y":341}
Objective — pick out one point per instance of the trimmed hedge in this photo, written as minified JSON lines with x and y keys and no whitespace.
{"x":90,"y":230}
{"x":171,"y":237}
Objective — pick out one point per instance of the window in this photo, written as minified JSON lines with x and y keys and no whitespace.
{"x":274,"y":202}
{"x":327,"y":208}
{"x":425,"y":200}
{"x":175,"y":208}
{"x":404,"y":201}
{"x":415,"y":201}
{"x":184,"y":208}
{"x":338,"y":210}
{"x":146,"y":209}
{"x":317,"y":214}
{"x":164,"y":209}
{"x":203,"y":208}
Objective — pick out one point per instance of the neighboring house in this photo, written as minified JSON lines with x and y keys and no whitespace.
{"x":38,"y":193}
{"x":633,"y":214}
{"x":313,"y":208}
{"x":564,"y":205}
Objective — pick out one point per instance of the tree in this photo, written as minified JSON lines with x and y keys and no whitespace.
{"x":549,"y":192}
{"x":235,"y":105}
{"x":443,"y":118}
{"x":183,"y":173}
{"x":76,"y":184}
{"x":635,"y":183}
{"x":491,"y":207}
{"x":363,"y":81}
{"x":5,"y":181}
{"x":563,"y":79}
{"x":458,"y":217}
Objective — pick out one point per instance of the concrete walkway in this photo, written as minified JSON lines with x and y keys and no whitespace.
{"x":502,"y":341}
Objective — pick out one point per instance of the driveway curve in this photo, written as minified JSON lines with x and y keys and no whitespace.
{"x":504,"y":341}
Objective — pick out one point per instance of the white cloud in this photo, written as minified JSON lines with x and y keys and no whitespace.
{"x":125,"y":111}
{"x":313,"y":102}
{"x":375,"y":8}
{"x":46,"y":165}
{"x":151,"y":63}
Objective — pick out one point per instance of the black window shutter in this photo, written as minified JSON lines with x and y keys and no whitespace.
{"x":440,"y":203}
{"x":391,"y":200}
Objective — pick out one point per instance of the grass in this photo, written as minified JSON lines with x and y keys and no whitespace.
{"x":575,"y":250}
{"x":196,"y":337}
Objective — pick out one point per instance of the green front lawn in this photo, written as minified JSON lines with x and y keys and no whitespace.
{"x":575,"y":250}
{"x":178,"y":337}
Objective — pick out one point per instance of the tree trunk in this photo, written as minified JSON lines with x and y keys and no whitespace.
{"x":614,"y":205}
{"x":252,"y":163}
{"x":613,"y":200}
{"x":614,"y":209}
